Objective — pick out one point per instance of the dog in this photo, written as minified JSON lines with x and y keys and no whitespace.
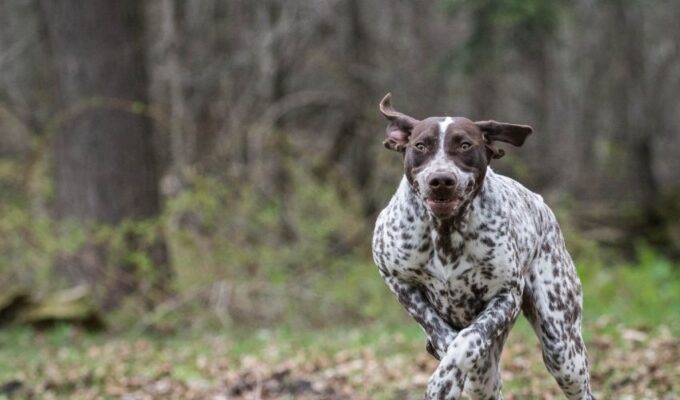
{"x":465,"y":249}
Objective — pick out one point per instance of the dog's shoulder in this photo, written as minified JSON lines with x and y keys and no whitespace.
{"x":516,"y":200}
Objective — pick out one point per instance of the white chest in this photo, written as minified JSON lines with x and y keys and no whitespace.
{"x":459,"y":269}
{"x":459,"y":283}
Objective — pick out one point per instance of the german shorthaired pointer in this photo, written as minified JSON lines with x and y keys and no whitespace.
{"x":464,"y":249}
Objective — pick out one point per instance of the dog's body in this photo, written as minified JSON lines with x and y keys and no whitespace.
{"x":465,"y":249}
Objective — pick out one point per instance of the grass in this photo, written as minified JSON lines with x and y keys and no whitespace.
{"x":641,"y":295}
{"x":631,"y":326}
{"x":374,"y":361}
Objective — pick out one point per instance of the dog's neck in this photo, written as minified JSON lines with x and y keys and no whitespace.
{"x":448,"y":236}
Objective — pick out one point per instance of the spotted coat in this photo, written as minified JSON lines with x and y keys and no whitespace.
{"x":465,"y":249}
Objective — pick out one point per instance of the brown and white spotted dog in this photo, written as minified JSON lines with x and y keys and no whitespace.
{"x":465,"y":249}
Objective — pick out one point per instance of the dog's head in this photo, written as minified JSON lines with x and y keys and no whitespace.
{"x":445,"y":158}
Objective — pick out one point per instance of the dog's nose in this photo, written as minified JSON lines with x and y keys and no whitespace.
{"x":441,"y":181}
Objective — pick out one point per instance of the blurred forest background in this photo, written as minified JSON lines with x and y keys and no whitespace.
{"x":216,"y":166}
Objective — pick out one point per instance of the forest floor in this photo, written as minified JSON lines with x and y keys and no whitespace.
{"x":376,"y":362}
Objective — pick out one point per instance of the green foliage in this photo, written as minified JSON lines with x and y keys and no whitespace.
{"x":321,"y":274}
{"x":643,"y":294}
{"x":233,"y":265}
{"x":325,"y":276}
{"x":31,"y":243}
{"x":27,"y":245}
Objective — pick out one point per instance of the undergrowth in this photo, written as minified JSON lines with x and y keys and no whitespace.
{"x":236,"y":268}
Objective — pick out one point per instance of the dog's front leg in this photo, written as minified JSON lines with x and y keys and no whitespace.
{"x":473,"y":342}
{"x":439,"y":333}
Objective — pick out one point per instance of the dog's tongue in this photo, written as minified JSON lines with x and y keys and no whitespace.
{"x":443,"y":208}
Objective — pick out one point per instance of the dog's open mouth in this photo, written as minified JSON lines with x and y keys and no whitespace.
{"x":443,"y":207}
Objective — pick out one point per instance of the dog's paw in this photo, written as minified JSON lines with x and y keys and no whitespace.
{"x":445,"y":384}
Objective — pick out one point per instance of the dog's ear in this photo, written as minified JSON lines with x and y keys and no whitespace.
{"x":400,"y":127}
{"x":502,"y":132}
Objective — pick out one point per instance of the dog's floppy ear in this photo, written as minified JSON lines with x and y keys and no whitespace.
{"x":502,"y":132}
{"x":400,"y":126}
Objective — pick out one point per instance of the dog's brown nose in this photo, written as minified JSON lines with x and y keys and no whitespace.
{"x":441,"y":181}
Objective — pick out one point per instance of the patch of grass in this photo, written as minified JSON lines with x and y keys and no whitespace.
{"x":642,"y":295}
{"x":371,"y":362}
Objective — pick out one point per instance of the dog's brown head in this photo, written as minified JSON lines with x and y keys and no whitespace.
{"x":445,"y":158}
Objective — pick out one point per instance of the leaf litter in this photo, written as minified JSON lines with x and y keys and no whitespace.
{"x":626,"y":364}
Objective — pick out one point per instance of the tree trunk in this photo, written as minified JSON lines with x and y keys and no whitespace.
{"x":105,"y":166}
{"x":482,"y":69}
{"x":180,"y":142}
{"x":632,"y":135}
{"x":357,"y":47}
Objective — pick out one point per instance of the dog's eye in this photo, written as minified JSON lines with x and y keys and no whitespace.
{"x":421,"y":146}
{"x":465,"y":146}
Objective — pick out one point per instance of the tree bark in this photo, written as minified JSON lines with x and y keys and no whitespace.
{"x":483,"y":47}
{"x":105,"y":166}
{"x":357,"y":47}
{"x":632,"y":134}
